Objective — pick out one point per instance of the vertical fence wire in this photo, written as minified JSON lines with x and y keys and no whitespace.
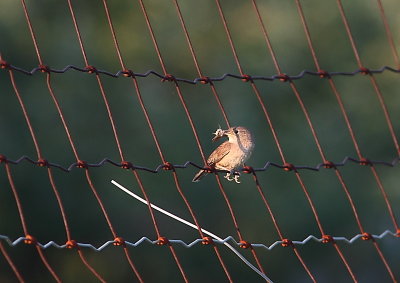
{"x":11,"y":263}
{"x":3,"y":250}
{"x":389,"y":34}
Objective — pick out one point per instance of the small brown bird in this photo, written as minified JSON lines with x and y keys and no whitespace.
{"x":231,"y":154}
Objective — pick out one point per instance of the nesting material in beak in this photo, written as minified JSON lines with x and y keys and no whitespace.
{"x":219,"y":133}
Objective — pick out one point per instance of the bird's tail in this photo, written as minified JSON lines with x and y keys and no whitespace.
{"x":199,"y":175}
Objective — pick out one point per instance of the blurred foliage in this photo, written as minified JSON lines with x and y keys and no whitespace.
{"x":87,"y":118}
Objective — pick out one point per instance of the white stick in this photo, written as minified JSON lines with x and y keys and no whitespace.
{"x":193,"y":226}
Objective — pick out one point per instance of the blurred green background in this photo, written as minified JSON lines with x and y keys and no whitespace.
{"x":86,"y":115}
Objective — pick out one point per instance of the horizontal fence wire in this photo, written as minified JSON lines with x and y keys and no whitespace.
{"x":170,"y":77}
{"x":190,"y":164}
{"x":228,"y":239}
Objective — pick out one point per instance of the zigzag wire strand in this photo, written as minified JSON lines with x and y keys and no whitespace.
{"x":347,"y":160}
{"x":229,"y":239}
{"x":124,"y":73}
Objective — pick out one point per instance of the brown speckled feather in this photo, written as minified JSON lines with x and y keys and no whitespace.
{"x":215,"y":157}
{"x":219,"y":153}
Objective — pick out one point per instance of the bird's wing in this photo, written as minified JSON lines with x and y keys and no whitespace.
{"x":219,"y":153}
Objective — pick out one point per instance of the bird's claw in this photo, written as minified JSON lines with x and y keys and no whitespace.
{"x":229,"y":177}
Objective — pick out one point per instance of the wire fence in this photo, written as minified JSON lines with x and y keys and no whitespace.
{"x":149,"y":146}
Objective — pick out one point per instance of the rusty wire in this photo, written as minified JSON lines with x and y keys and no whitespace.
{"x":389,"y":34}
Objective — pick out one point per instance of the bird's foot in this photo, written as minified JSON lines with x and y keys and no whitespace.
{"x":236,"y":176}
{"x":228,"y":176}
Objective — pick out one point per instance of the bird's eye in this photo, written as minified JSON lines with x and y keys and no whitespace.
{"x":236,"y":131}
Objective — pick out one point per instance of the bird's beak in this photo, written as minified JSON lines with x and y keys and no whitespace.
{"x":219,"y":134}
{"x":216,"y":138}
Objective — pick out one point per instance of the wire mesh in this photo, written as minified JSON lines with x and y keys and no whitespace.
{"x":326,"y":158}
